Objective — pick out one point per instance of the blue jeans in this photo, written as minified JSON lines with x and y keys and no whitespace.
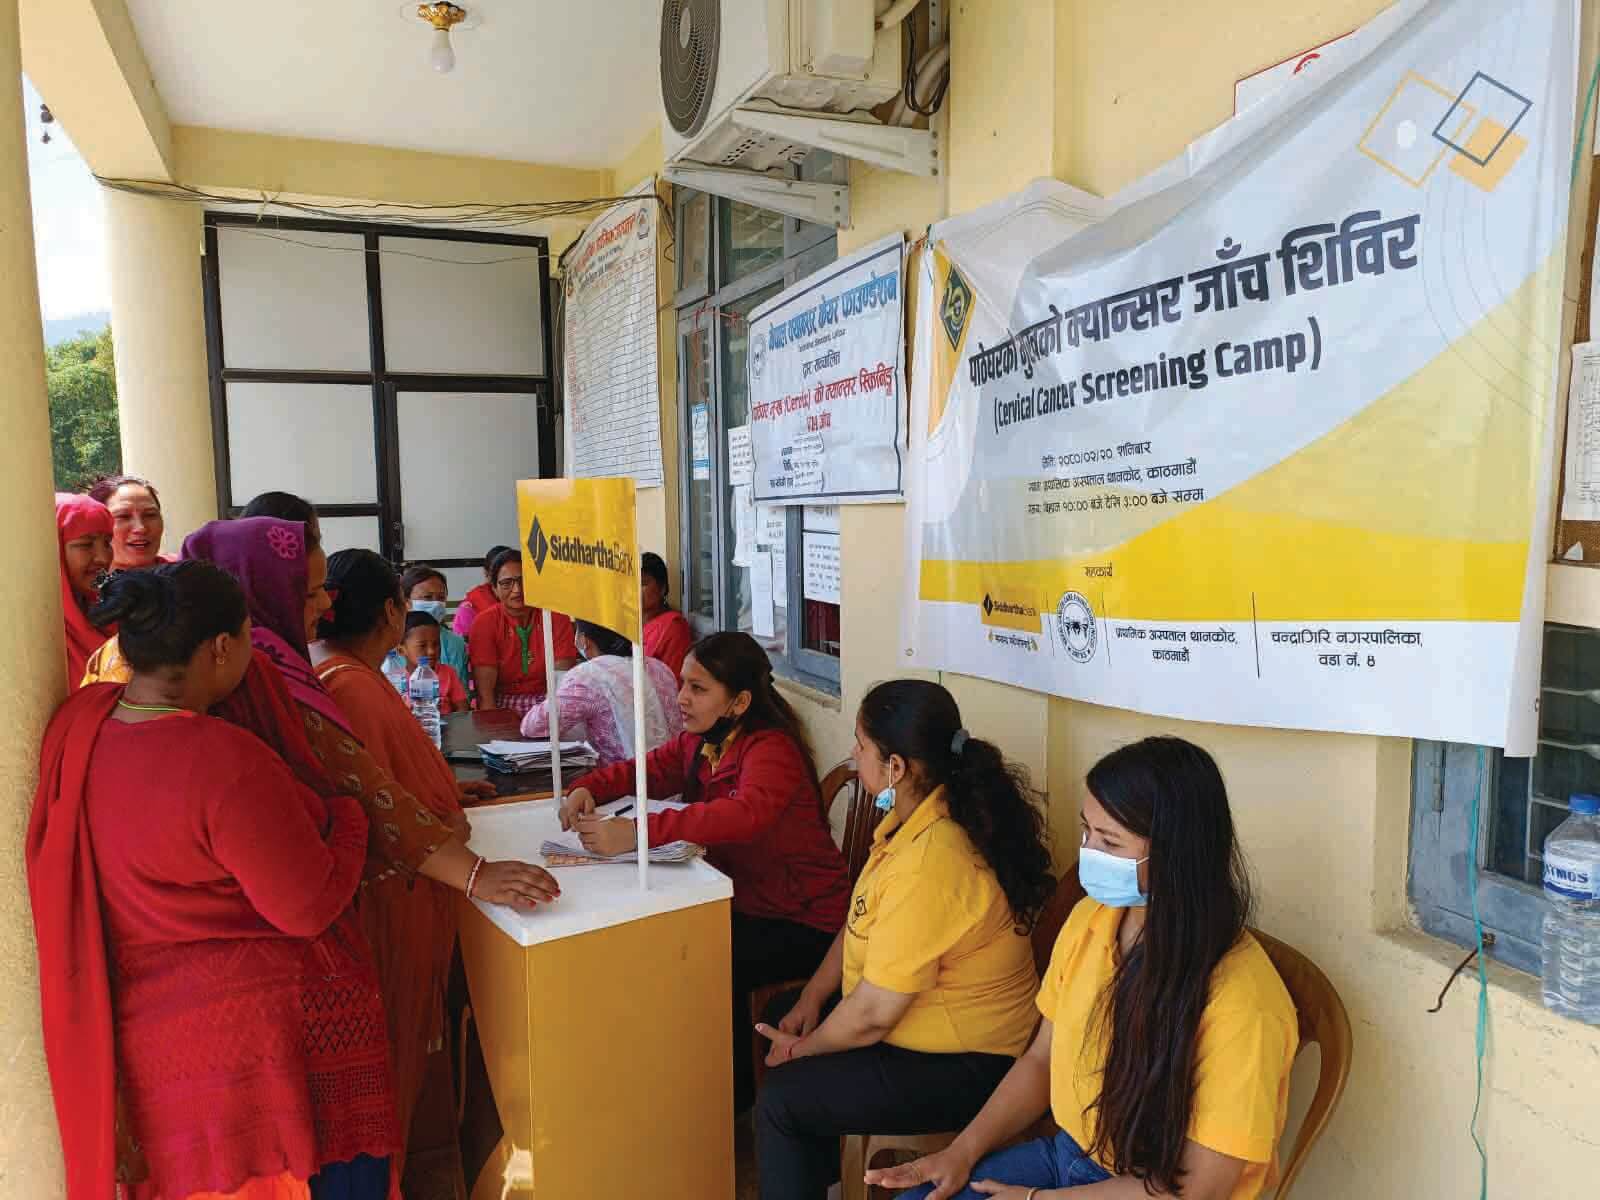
{"x":1056,"y":1162}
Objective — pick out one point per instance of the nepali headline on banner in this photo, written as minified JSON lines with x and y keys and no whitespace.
{"x":1268,"y":439}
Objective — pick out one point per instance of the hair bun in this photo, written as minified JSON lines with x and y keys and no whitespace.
{"x":139,"y":601}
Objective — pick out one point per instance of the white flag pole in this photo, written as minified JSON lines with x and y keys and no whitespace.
{"x":641,"y":748}
{"x":552,"y":705}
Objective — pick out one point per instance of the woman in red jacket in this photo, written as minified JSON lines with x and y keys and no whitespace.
{"x":744,"y":766}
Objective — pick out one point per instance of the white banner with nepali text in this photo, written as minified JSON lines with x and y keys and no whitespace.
{"x":1267,"y":439}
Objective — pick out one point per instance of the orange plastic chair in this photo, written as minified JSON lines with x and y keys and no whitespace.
{"x":1323,"y":1023}
{"x":861,"y":819}
{"x":862,"y":1150}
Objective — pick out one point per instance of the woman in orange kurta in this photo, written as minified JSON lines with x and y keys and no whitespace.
{"x":413,"y":929}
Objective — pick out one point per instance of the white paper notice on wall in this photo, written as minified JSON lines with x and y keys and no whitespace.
{"x":741,"y":465}
{"x":744,"y":525}
{"x":822,"y":567}
{"x":762,"y":619}
{"x":700,"y":440}
{"x":772,"y":525}
{"x":821,"y":518}
{"x":613,"y":425}
{"x":1580,"y":499}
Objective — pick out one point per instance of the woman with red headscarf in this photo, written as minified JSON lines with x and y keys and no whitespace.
{"x":83,"y":530}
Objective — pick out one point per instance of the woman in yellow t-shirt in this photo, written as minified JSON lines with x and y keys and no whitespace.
{"x":926,"y":996}
{"x":1168,"y":1036}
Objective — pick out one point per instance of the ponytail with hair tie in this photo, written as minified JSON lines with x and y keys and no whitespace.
{"x":990,"y":798}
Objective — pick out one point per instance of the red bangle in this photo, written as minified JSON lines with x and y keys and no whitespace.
{"x":472,"y":876}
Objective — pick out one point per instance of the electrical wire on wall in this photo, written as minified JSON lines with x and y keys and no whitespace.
{"x":477,"y":215}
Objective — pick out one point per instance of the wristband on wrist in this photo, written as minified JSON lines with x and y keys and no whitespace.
{"x":472,"y":876}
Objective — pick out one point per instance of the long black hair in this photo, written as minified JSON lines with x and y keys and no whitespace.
{"x":164,"y":614}
{"x":990,"y":798}
{"x":361,"y":583}
{"x":1168,"y":791}
{"x":738,"y":663}
{"x":286,"y":506}
{"x":607,"y":641}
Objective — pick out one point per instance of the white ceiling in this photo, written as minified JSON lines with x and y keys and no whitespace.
{"x":564,"y":82}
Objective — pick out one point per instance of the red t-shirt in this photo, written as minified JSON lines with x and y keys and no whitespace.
{"x":497,"y":642}
{"x":667,"y":637}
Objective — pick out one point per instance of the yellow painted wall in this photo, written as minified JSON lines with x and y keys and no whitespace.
{"x":1098,"y":94}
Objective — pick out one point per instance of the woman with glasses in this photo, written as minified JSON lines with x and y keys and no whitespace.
{"x":507,"y":644}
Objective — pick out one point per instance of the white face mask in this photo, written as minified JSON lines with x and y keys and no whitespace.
{"x":434,"y":608}
{"x":1110,"y":880}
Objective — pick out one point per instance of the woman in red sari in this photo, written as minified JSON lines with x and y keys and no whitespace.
{"x":412,"y":930}
{"x":83,"y":530}
{"x":211,"y":1013}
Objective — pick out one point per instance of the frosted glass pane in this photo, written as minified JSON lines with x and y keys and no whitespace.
{"x":460,"y":308}
{"x":350,"y":533}
{"x":461,"y":454}
{"x":312,"y":439}
{"x":461,"y":580}
{"x":293,"y":300}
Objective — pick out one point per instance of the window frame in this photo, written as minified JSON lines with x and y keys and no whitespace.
{"x":697,"y":310}
{"x":1444,"y":785}
{"x":384,"y":384}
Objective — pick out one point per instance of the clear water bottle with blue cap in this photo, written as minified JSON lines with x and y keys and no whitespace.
{"x":424,"y":686}
{"x":1571,"y":938}
{"x":394,"y":670}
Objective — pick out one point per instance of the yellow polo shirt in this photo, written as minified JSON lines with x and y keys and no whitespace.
{"x":928,"y":918}
{"x":1247,"y":1041}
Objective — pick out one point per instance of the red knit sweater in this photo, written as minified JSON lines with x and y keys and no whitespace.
{"x":248,"y":1024}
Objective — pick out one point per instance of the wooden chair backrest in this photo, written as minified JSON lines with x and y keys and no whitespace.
{"x":1323,"y":1022}
{"x":1048,"y":927}
{"x":861,"y":816}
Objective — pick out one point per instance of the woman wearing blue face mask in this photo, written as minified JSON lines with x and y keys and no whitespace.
{"x":1168,"y":1036}
{"x":934,"y":964}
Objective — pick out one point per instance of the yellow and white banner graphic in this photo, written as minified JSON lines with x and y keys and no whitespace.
{"x":580,"y":549}
{"x":1267,"y":439}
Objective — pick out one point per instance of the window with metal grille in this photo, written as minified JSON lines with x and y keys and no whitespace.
{"x":1518,"y":801}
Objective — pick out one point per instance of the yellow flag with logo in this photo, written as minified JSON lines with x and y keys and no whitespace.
{"x":580,"y":549}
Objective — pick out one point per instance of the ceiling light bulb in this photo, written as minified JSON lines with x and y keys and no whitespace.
{"x":442,"y":56}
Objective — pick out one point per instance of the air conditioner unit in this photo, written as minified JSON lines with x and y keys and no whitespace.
{"x":749,"y":87}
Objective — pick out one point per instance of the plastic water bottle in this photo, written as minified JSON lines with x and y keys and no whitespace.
{"x":1571,"y":941}
{"x":394,"y":670}
{"x":425,"y":700}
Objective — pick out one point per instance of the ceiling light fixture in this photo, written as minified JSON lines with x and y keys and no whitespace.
{"x":443,"y":16}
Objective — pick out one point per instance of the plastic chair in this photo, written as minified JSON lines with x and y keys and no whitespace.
{"x":1324,"y":1023}
{"x":861,"y":1150}
{"x":861,"y":819}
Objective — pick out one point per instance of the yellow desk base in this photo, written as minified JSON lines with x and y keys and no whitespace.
{"x":608,"y":1054}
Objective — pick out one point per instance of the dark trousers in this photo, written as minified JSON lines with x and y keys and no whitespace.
{"x":806,"y":1105}
{"x":766,"y":950}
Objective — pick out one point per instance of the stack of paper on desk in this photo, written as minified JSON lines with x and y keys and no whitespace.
{"x":512,"y":758}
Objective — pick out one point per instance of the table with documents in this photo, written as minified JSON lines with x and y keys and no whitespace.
{"x":604,"y":1023}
